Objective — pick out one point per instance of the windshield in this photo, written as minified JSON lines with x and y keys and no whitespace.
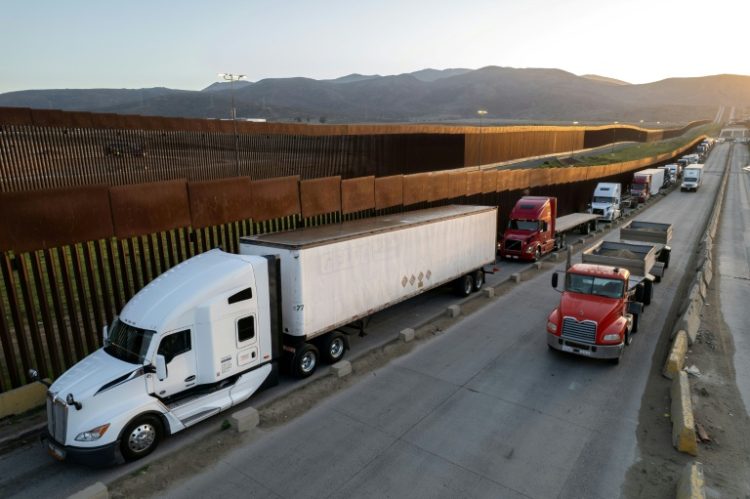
{"x":637,"y":187}
{"x":602,"y":199}
{"x":524,"y":224}
{"x":128,"y":343}
{"x":590,"y":285}
{"x":691,"y":178}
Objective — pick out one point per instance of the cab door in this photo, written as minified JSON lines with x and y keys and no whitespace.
{"x":177,"y":349}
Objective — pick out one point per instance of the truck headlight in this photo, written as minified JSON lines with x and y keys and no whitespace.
{"x":551,"y":327}
{"x":93,"y":434}
{"x":530,"y":249}
{"x":611,"y":337}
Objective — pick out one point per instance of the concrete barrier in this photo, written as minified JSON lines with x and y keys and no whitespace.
{"x":707,"y":274}
{"x":22,"y":399}
{"x":683,"y":422}
{"x":516,"y":277}
{"x":676,"y":359}
{"x":342,"y":368}
{"x":453,"y":310}
{"x":245,"y":420}
{"x":406,"y":335}
{"x":692,"y":484}
{"x":689,"y":322}
{"x":96,"y":491}
{"x":488,"y":292}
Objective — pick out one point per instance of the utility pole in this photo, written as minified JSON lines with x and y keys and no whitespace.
{"x":231,"y":78}
{"x":481,"y":114}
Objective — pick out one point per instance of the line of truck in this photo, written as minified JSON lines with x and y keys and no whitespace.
{"x":208,"y":333}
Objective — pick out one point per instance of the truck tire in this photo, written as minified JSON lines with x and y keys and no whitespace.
{"x":332,"y":347}
{"x":478,"y":280}
{"x":634,"y":329}
{"x":141,"y":436}
{"x":305,"y":361}
{"x":463,"y":285}
{"x":585,"y":229}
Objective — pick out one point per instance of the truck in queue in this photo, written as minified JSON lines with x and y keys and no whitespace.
{"x":692,"y":178}
{"x":208,"y":333}
{"x":608,"y":201}
{"x":534,"y":229}
{"x":604,"y":295}
{"x":657,"y":180}
{"x":640,"y":189}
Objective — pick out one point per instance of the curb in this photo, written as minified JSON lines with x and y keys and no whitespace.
{"x":692,"y":483}
{"x":683,"y":423}
{"x":676,"y":360}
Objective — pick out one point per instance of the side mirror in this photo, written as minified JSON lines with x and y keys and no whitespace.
{"x":34,"y":376}
{"x":554,"y":280}
{"x":105,"y":335}
{"x":161,"y":367}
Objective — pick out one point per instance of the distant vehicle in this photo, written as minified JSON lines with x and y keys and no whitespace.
{"x":119,"y":149}
{"x":692,"y":178}
{"x":607,"y":201}
{"x":675,"y":169}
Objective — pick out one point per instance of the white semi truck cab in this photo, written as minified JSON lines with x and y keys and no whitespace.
{"x":607,"y":201}
{"x":208,"y":333}
{"x":193,"y":342}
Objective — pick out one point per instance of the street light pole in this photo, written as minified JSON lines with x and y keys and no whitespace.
{"x":231,"y":78}
{"x":481,"y":113}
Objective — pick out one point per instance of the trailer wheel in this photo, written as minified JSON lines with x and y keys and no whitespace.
{"x":585,"y":229}
{"x":305,"y":361}
{"x":463,"y":285}
{"x":333,"y":347}
{"x":141,"y":436}
{"x":478,"y":280}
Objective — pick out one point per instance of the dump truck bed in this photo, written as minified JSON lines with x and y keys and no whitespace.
{"x":639,"y":259}
{"x":650,"y":232}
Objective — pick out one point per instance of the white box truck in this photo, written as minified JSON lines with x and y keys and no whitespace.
{"x":607,"y":201}
{"x":208,"y":333}
{"x":692,"y":177}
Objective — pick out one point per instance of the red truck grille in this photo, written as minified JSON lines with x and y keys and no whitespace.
{"x":584,"y":331}
{"x":512,"y":245}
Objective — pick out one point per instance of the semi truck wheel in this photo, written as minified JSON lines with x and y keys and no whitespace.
{"x":478,"y":280}
{"x":141,"y":436}
{"x":333,"y":347}
{"x":305,"y":361}
{"x":664,"y":257}
{"x":463,"y":285}
{"x":634,"y":329}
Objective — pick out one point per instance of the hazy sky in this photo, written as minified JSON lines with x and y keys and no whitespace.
{"x":184,"y":43}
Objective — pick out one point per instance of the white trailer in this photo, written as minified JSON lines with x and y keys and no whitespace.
{"x":657,"y":179}
{"x":208,"y":333}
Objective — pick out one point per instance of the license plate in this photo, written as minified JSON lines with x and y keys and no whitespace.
{"x":515,"y":257}
{"x":579,"y":351}
{"x":55,"y":451}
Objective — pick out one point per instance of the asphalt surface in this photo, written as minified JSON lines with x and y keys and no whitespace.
{"x":485,"y":410}
{"x":734,"y":267}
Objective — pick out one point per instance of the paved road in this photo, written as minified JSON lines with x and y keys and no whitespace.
{"x":481,"y":411}
{"x":734,"y":267}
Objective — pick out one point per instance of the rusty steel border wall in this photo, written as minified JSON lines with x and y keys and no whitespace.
{"x":44,"y":149}
{"x":70,"y":258}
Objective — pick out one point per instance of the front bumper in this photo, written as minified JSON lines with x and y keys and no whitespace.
{"x":95,"y":457}
{"x":583,"y":349}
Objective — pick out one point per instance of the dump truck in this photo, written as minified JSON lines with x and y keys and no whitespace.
{"x":535,"y":229}
{"x":208,"y":333}
{"x":604,"y":295}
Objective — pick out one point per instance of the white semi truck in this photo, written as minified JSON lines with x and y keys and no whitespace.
{"x":208,"y":333}
{"x":607,"y":201}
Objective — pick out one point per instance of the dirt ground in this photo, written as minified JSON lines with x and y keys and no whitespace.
{"x":717,"y":406}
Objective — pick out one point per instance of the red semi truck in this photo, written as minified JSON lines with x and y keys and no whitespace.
{"x":604,"y":296}
{"x":534,"y":228}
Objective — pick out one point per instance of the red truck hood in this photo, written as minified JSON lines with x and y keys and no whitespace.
{"x":589,"y":307}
